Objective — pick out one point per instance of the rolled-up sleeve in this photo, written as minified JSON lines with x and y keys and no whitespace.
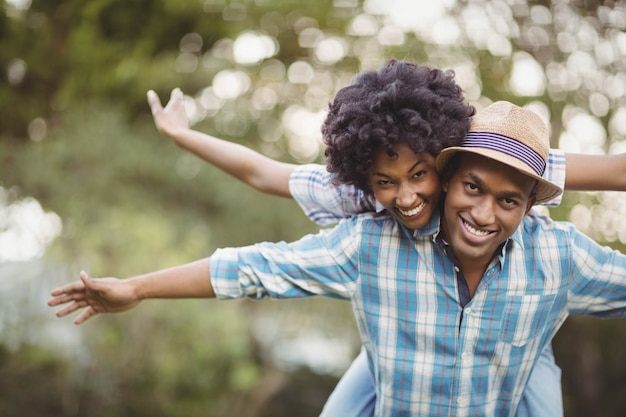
{"x":598,"y":284}
{"x":321,"y":200}
{"x":322,"y":264}
{"x":555,"y":173}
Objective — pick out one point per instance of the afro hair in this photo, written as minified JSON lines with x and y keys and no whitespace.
{"x":401,"y":103}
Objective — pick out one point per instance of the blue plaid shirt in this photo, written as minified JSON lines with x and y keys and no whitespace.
{"x":431,"y":353}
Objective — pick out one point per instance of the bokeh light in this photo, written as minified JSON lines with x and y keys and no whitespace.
{"x":26,"y":229}
{"x":251,"y":48}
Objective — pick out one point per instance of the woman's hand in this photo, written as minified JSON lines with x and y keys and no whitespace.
{"x":172,"y":119}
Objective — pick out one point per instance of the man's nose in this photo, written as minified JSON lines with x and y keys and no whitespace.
{"x":483,"y":211}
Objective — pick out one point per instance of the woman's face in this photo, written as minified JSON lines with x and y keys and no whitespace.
{"x":406,"y":184}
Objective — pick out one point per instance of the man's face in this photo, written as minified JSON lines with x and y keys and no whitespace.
{"x":406,"y":184}
{"x":485,"y":203}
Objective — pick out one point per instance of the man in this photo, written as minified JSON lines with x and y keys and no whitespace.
{"x":448,"y":314}
{"x":406,"y":89}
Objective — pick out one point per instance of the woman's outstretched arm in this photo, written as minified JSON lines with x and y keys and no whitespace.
{"x":260,"y":172}
{"x":595,"y":172}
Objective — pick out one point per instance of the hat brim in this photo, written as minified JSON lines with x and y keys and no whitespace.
{"x":544,"y":190}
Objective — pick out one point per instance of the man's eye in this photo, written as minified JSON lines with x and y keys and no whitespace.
{"x":419,"y":174}
{"x":510,"y":202}
{"x":471,"y":187}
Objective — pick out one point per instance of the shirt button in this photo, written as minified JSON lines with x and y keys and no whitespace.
{"x":456,"y":269}
{"x":463,"y":355}
{"x":460,"y":400}
{"x":468,"y":310}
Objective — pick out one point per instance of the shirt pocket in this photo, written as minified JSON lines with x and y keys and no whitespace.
{"x":525,"y":317}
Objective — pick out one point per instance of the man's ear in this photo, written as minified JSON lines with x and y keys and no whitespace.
{"x":530,"y":203}
{"x":448,"y":171}
{"x":445,"y":184}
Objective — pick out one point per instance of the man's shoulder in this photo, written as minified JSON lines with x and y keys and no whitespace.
{"x":535,"y":223}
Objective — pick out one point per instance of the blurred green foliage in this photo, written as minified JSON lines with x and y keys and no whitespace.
{"x":76,"y":134}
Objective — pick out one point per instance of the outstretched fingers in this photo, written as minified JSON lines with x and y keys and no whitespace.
{"x":67,"y":293}
{"x":176,"y":98}
{"x":85,"y":315}
{"x":154,"y":102}
{"x":76,"y":305}
{"x":66,"y":298}
{"x":177,"y":94}
{"x":177,"y":101}
{"x":75,"y":294}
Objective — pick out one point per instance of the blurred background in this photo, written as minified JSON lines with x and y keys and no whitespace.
{"x":86,"y":182}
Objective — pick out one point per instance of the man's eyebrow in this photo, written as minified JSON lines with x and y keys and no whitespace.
{"x":511,"y":194}
{"x":476,"y":179}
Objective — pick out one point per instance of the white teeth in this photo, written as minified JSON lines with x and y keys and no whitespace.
{"x":475,"y":231}
{"x":414,"y":211}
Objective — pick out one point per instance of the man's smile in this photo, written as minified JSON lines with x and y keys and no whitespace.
{"x":475,"y":231}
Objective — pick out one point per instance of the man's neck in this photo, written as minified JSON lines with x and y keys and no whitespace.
{"x":473,"y":269}
{"x":473,"y":274}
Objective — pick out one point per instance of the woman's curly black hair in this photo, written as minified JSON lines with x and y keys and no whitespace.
{"x":401,"y":103}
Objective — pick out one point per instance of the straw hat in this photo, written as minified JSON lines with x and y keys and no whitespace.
{"x":512,"y":135}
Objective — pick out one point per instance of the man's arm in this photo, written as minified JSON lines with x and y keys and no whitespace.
{"x":595,"y":172}
{"x":260,"y":172}
{"x":321,"y":264}
{"x":112,"y":295}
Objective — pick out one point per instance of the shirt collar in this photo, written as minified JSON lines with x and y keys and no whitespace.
{"x":517,"y":235}
{"x":379,"y":207}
